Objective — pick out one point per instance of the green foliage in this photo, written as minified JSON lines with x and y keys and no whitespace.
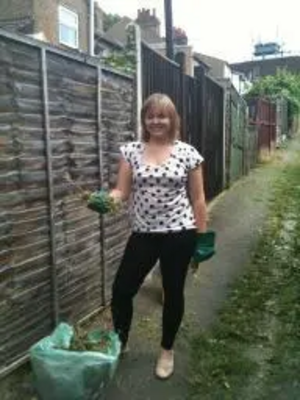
{"x":102,"y":202}
{"x":124,"y":60}
{"x":110,"y":20}
{"x":81,"y":341}
{"x":283,"y":84}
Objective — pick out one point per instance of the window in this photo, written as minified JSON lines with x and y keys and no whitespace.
{"x":68,"y":27}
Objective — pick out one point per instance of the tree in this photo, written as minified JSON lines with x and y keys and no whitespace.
{"x":110,"y":20}
{"x":284,"y":84}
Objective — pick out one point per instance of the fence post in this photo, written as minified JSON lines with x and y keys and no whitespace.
{"x":180,"y":58}
{"x":169,"y":28}
{"x":200,"y":74}
{"x":223,"y":143}
{"x":138,"y":77}
{"x":101,"y":182}
{"x":54,"y":284}
{"x":227,"y":135}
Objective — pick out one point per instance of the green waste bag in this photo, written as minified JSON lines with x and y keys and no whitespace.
{"x":73,"y":375}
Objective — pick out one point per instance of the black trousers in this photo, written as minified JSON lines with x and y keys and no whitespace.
{"x":174,"y":251}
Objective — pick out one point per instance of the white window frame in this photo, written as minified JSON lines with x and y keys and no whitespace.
{"x":62,"y":10}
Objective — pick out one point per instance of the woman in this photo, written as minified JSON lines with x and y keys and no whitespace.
{"x":163,"y":178}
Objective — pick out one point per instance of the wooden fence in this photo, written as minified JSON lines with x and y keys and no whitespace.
{"x":59,"y":113}
{"x":199,"y":101}
{"x":241,"y":143}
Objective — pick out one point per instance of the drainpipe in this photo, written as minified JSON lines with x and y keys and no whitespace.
{"x":138,"y":78}
{"x":92,"y":27}
{"x":169,"y":28}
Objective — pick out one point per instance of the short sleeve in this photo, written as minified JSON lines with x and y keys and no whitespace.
{"x":194,"y":158}
{"x":127,"y":152}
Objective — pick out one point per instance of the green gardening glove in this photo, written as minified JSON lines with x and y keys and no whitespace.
{"x":205,"y":247}
{"x":102,"y":202}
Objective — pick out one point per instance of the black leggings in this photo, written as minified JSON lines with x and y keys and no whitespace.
{"x":143,"y":250}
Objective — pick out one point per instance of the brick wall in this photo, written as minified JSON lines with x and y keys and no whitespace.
{"x":46,"y":17}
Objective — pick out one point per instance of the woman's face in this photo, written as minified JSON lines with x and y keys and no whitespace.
{"x":158,"y":123}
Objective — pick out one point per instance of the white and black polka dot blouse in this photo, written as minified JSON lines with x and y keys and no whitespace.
{"x":159,"y":200}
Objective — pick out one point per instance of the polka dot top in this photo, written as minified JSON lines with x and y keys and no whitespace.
{"x":159,"y":200}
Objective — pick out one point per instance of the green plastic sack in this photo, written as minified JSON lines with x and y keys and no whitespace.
{"x":72,"y":375}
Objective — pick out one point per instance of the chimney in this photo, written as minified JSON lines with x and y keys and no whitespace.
{"x":148,"y":22}
{"x":180,"y":37}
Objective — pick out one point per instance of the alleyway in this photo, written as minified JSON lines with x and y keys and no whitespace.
{"x":237,"y":216}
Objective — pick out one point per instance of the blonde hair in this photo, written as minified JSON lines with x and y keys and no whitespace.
{"x":163,"y":102}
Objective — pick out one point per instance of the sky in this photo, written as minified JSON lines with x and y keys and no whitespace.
{"x":227,"y":29}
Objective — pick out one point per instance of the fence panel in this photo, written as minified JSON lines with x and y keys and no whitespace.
{"x":282,"y":126}
{"x":192,"y":111}
{"x":238,"y":161}
{"x":161,"y":75}
{"x":58,"y":114}
{"x":117,"y":128}
{"x":213,"y":143}
{"x":252,"y":146}
{"x":25,"y":275}
{"x":75,"y":150}
{"x":199,"y":101}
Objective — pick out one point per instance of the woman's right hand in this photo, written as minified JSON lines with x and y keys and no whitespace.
{"x":103,"y":202}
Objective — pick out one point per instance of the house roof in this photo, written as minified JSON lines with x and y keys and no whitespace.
{"x":117,"y":33}
{"x":151,"y":37}
{"x":272,"y":60}
{"x":102,"y":38}
{"x":208,"y":60}
{"x":200,"y":61}
{"x":216,"y":65}
{"x":268,"y":66}
{"x":23,"y":24}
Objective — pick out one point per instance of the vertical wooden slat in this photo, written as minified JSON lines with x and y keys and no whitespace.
{"x":50,"y":187}
{"x":100,"y":160}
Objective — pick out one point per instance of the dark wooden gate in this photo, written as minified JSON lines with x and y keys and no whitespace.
{"x":262,"y":113}
{"x":200,"y":103}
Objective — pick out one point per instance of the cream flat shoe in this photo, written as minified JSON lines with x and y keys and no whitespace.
{"x":165,"y":365}
{"x":124,"y":350}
